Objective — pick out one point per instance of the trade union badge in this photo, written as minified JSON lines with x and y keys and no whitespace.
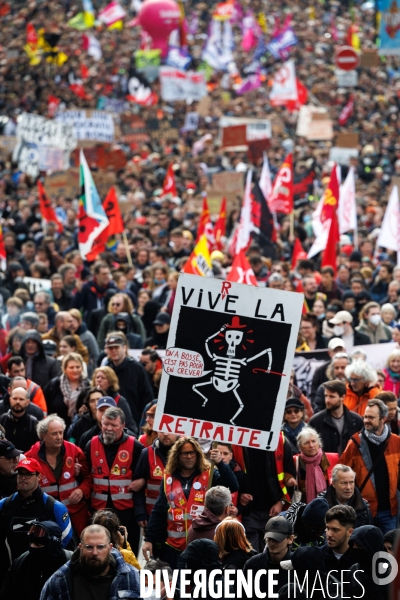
{"x":157,"y":472}
{"x":69,"y":462}
{"x":123,"y":455}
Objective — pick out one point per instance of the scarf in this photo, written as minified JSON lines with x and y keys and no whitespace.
{"x":293,"y":433}
{"x":377,"y":439}
{"x":70,"y":396}
{"x":315,"y":480}
{"x":393,"y":375}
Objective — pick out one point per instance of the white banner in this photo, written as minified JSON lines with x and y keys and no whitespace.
{"x":43,"y":144}
{"x":228,"y":362}
{"x":390,"y":228}
{"x":256,"y":129}
{"x":347,"y":209}
{"x":94,"y":125}
{"x":182,"y":85}
{"x":284,"y":85}
{"x":37,"y":285}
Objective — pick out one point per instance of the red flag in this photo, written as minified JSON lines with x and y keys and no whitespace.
{"x":3,"y":253}
{"x":302,"y":95}
{"x":331,"y":197}
{"x":52,"y":103}
{"x":329,"y":257}
{"x":115,"y":225}
{"x":298,"y":253}
{"x":204,"y":218}
{"x":78,"y":90}
{"x":241,"y":270}
{"x":281,"y":198}
{"x":48,"y":212}
{"x":220,"y":226}
{"x":347,"y":111}
{"x":169,"y":186}
{"x":84,"y":71}
{"x":31,"y":36}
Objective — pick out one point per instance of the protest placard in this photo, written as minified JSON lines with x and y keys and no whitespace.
{"x":7,"y":145}
{"x":43,"y":144}
{"x":37,"y":285}
{"x":133,"y":129}
{"x":66,"y":183}
{"x":229,"y":185}
{"x":182,"y":85}
{"x":234,"y":137}
{"x":314,"y":123}
{"x":256,"y":129}
{"x":92,"y":125}
{"x":163,"y":129}
{"x":228,"y":362}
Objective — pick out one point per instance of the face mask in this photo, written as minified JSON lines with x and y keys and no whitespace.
{"x":321,"y":317}
{"x":159,"y":281}
{"x":187,"y":223}
{"x":338,"y":330}
{"x":374,"y":319}
{"x":306,"y":218}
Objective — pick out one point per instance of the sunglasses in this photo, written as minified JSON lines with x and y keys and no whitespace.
{"x":289,"y":411}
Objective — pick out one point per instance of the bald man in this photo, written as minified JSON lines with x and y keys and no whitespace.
{"x":20,"y":427}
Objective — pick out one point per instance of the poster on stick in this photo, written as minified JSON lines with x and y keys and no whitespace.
{"x":228,"y":362}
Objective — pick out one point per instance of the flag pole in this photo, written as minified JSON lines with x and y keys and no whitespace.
{"x":291,"y":230}
{"x":128,"y":250}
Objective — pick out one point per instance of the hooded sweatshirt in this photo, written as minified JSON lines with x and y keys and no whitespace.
{"x":39,"y":367}
{"x":203,"y":526}
{"x":369,"y":540}
{"x":31,"y":570}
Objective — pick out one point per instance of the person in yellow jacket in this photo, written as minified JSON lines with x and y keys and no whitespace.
{"x":118,"y":533}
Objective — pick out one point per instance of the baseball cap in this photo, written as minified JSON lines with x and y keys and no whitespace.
{"x":106,"y":401}
{"x":49,"y":347}
{"x":29,"y":464}
{"x":336,"y":342}
{"x":278,"y":528}
{"x":8,"y":450}
{"x":294,"y":402}
{"x":162,"y":319}
{"x":343,"y":316}
{"x":114,"y":340}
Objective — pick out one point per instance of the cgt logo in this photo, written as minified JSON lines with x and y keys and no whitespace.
{"x":384,"y":568}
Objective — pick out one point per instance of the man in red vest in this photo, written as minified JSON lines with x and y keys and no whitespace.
{"x":65,"y":472}
{"x":112,"y":456}
{"x":186,"y":479}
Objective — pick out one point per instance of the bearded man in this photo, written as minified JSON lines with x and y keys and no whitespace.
{"x":112,"y":456}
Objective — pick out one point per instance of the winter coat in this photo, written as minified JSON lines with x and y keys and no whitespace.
{"x":44,"y":367}
{"x":133,"y":385}
{"x":377,"y":335}
{"x":124,"y":585}
{"x":91,"y":297}
{"x":360,"y":505}
{"x":370,"y":540}
{"x":357,"y":403}
{"x":79,"y":427}
{"x":357,"y":456}
{"x":391,"y":384}
{"x":203,"y":526}
{"x":55,"y":399}
{"x":323,"y":422}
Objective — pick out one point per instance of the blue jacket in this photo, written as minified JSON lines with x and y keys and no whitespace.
{"x":124,"y":585}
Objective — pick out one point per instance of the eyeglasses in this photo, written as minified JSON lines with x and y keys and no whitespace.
{"x":289,"y":411}
{"x":355,"y":380}
{"x":25,"y":475}
{"x":116,"y":304}
{"x":100,"y":547}
{"x":188,"y":454}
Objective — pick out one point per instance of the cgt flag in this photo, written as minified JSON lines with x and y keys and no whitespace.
{"x":115,"y":225}
{"x":241,"y":271}
{"x":199,"y":262}
{"x":330,"y":196}
{"x":3,"y":253}
{"x":92,"y":217}
{"x":220,"y":227}
{"x":169,"y":186}
{"x":48,"y":212}
{"x":281,"y":198}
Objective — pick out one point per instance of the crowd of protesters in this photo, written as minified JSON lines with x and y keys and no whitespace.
{"x":78,"y":453}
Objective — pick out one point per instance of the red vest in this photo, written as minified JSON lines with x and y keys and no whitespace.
{"x":62,"y":489}
{"x":182,"y":511}
{"x":280,"y":471}
{"x":142,"y":439}
{"x":114,"y":481}
{"x":156,"y":468}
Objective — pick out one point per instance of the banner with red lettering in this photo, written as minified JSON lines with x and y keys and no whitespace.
{"x":228,"y":362}
{"x":281,"y":198}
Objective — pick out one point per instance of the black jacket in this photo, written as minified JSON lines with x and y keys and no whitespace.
{"x":55,"y":400}
{"x":133,"y":385}
{"x":360,"y":505}
{"x":31,"y":409}
{"x":318,"y":379}
{"x":21,"y":432}
{"x":91,"y":297}
{"x":44,"y":367}
{"x":30,"y":571}
{"x":263,"y":561}
{"x":331,"y":440}
{"x":369,"y":540}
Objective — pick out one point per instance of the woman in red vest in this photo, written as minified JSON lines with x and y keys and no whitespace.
{"x":313,"y":466}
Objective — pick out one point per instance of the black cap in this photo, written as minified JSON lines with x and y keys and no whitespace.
{"x":8,"y":450}
{"x":278,"y":528}
{"x":295,"y":402}
{"x":115,"y":340}
{"x":162,"y":319}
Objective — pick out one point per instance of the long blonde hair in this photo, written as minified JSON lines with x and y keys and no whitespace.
{"x":173,"y":457}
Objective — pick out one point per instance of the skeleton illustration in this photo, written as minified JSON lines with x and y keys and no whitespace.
{"x":227,"y":368}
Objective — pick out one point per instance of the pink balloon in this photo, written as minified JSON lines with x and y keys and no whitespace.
{"x":159,"y":18}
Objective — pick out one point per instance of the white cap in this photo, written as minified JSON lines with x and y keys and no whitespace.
{"x":343,"y":316}
{"x":335,"y":343}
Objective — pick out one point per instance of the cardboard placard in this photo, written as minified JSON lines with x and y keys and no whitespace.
{"x":347,"y":140}
{"x":133,"y":129}
{"x":369,"y":58}
{"x":313,"y":127}
{"x":256,"y":149}
{"x":229,"y":185}
{"x":7,"y":145}
{"x":102,"y":157}
{"x":66,"y":183}
{"x":203,"y":107}
{"x":233,"y":137}
{"x":163,"y":129}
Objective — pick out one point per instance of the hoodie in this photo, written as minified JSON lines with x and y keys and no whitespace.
{"x":39,"y":367}
{"x":369,"y":540}
{"x":204,"y":526}
{"x":32,"y":569}
{"x":134,"y":339}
